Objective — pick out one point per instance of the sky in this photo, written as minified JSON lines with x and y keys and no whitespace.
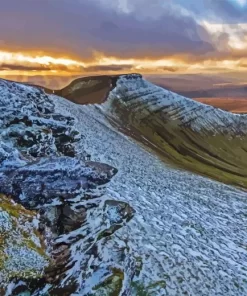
{"x":84,"y":37}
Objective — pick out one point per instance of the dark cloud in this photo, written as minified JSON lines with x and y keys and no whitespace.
{"x":108,"y":68}
{"x":23,"y":67}
{"x":170,"y":69}
{"x":149,"y":29}
{"x":39,"y":67}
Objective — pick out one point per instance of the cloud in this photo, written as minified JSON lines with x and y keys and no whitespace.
{"x":78,"y":28}
{"x":12,"y":67}
{"x":229,"y":11}
{"x":242,"y":64}
{"x":108,"y":68}
{"x":216,"y":11}
{"x":170,"y":69}
{"x":17,"y":65}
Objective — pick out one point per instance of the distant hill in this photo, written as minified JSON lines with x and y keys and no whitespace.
{"x":88,"y":90}
{"x":198,"y":86}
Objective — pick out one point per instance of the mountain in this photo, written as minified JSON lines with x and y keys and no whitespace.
{"x":182,"y":131}
{"x":112,"y":195}
{"x":88,"y":90}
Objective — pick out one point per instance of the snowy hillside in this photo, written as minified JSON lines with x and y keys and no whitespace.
{"x":143,"y":98}
{"x":107,"y":213}
{"x":188,"y":234}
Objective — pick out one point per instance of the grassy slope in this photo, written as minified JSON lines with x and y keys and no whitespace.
{"x":218,"y":156}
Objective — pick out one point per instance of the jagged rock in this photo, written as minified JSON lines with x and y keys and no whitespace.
{"x":31,"y":140}
{"x":103,"y":170}
{"x":71,"y":219}
{"x":116,"y":213}
{"x":52,"y":178}
{"x":10,"y":158}
{"x":30,"y":122}
{"x":80,"y":255}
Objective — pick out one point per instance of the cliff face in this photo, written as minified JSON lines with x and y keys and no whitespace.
{"x":50,"y":201}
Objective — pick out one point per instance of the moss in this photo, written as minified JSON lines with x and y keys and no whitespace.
{"x":139,"y":289}
{"x":26,"y":274}
{"x":14,"y":209}
{"x":111,"y":286}
{"x":161,"y":284}
{"x":20,"y":256}
{"x":32,"y":246}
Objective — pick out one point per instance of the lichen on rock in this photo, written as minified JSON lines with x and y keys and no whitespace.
{"x":22,"y":253}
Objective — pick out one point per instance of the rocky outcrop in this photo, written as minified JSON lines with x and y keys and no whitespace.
{"x":55,"y":221}
{"x":85,"y":249}
{"x":51,"y":180}
{"x":28,"y":120}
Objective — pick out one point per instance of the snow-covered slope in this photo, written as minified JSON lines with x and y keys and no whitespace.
{"x":154,"y":229}
{"x":188,"y":234}
{"x":144,"y":98}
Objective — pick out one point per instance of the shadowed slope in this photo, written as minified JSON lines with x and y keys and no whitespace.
{"x":88,"y":90}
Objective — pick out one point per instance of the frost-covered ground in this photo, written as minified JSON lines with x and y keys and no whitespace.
{"x":188,"y":232}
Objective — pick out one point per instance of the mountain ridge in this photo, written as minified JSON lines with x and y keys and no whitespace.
{"x":187,"y":133}
{"x":184,"y":132}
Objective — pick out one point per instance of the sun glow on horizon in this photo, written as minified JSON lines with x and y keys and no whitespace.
{"x":31,"y":64}
{"x":10,"y":57}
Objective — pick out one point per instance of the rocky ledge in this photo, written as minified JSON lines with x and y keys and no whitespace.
{"x":56,"y":222}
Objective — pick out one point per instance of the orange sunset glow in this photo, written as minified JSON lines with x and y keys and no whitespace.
{"x":169,"y":38}
{"x":12,"y":63}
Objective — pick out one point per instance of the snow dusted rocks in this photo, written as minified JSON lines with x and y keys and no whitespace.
{"x":47,"y":247}
{"x":52,"y":179}
{"x":187,"y":234}
{"x":28,"y":119}
{"x":92,"y":263}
